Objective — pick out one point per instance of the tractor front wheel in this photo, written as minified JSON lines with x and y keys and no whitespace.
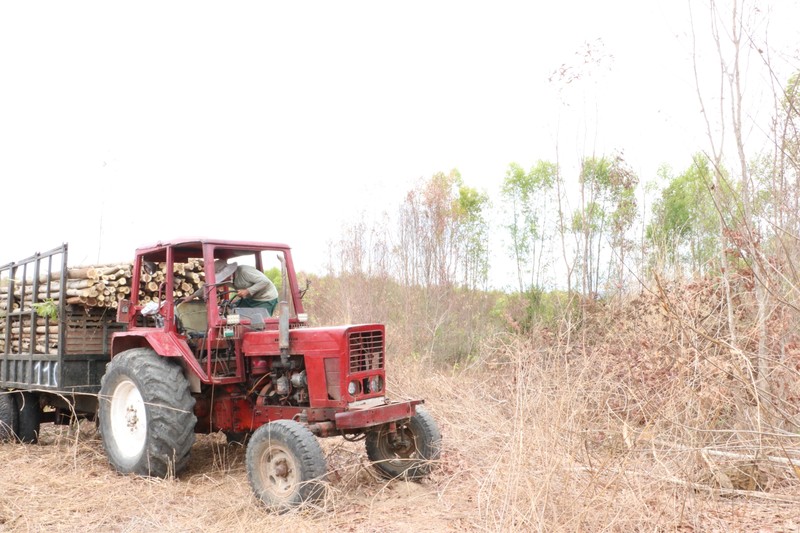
{"x":285,"y":465}
{"x":410,"y":451}
{"x":146,"y":414}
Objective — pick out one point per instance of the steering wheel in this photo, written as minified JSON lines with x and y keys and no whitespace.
{"x":227,"y":305}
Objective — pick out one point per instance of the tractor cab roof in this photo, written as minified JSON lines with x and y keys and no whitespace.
{"x":185,"y":248}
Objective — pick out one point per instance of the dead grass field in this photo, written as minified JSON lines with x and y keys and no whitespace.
{"x":525,"y":450}
{"x":633,"y":425}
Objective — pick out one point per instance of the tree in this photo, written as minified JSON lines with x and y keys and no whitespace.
{"x":681,"y":231}
{"x":442,"y":234}
{"x":474,"y":231}
{"x":622,"y":183}
{"x":607,"y":211}
{"x":528,"y":197}
{"x":782,"y":175}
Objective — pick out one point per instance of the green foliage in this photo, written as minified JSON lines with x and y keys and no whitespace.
{"x":595,"y":173}
{"x":274,"y":274}
{"x":791,"y":95}
{"x":590,"y":219}
{"x":471,"y":206}
{"x":471,"y":203}
{"x":47,"y":309}
{"x":524,"y":312}
{"x":543,"y":175}
{"x":684,"y":224}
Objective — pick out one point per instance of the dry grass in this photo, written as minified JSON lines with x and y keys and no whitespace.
{"x":65,"y":484}
{"x":538,"y":436}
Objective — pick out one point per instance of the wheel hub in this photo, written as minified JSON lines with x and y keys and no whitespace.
{"x":281,"y":469}
{"x":402,"y":445}
{"x":131,"y":418}
{"x":280,"y":472}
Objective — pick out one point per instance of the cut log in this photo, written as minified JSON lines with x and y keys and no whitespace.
{"x":78,"y":272}
{"x":39,"y":329}
{"x":86,"y":293}
{"x":78,"y":283}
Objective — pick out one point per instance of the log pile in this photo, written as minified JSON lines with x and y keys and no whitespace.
{"x":188,"y":277}
{"x":94,"y":288}
{"x":45,"y":333}
{"x":105,"y":285}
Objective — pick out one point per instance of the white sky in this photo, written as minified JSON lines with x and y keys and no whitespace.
{"x":125,"y":123}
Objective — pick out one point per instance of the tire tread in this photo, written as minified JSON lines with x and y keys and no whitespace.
{"x":428,"y":439}
{"x":9,"y":416}
{"x":170,"y":412}
{"x":305,"y":446}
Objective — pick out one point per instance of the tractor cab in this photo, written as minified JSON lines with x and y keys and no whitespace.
{"x":187,"y":298}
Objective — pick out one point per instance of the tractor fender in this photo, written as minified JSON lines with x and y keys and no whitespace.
{"x":164,"y":344}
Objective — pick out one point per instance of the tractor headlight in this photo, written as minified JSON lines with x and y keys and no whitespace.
{"x":375,"y":384}
{"x":353,"y":388}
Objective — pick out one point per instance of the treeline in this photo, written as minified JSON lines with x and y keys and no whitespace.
{"x":595,"y":230}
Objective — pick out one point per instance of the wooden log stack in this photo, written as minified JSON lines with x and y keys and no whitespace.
{"x":188,"y":277}
{"x":105,"y":285}
{"x":92,"y":286}
{"x":95,"y":288}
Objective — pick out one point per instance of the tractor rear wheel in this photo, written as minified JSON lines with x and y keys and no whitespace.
{"x":29,"y":416}
{"x":285,"y":465}
{"x":408,"y":454}
{"x":9,"y":417}
{"x":146,"y":414}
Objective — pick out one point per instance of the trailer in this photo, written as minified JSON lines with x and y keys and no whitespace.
{"x":59,"y":356}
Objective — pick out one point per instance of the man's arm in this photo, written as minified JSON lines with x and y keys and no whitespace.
{"x":254,"y":280}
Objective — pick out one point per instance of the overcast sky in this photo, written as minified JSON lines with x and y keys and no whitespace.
{"x":125,"y":123}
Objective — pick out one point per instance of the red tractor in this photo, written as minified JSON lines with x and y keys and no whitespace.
{"x":210,"y":364}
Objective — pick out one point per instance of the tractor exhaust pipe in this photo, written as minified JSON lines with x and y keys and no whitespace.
{"x":283,"y":321}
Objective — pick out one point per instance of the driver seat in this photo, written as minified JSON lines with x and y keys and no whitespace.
{"x":192,"y":318}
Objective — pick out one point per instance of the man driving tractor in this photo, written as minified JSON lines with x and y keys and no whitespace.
{"x":253,"y":287}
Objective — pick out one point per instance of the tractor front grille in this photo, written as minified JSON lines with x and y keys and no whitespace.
{"x":366,"y":351}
